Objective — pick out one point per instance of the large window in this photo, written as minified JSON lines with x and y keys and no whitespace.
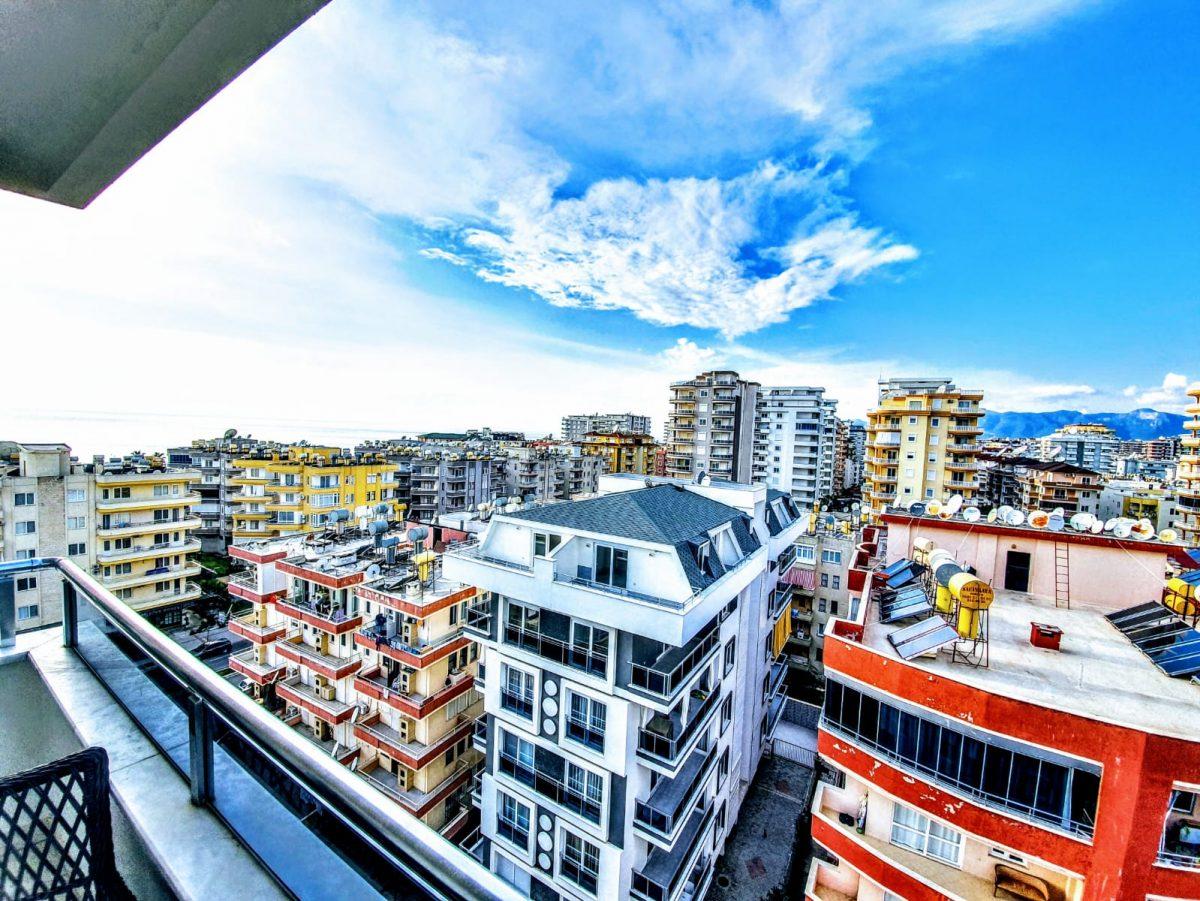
{"x":23,"y":499}
{"x":589,"y":648}
{"x":516,"y":691}
{"x":586,"y":721}
{"x":918,"y":833}
{"x":512,"y":821}
{"x":544,"y":543}
{"x":1004,"y":773}
{"x":580,"y":861}
{"x":612,"y":566}
{"x":588,"y":790}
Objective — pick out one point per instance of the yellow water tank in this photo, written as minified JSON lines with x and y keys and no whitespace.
{"x":424,"y":562}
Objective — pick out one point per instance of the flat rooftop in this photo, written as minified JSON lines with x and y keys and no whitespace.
{"x":1097,"y":674}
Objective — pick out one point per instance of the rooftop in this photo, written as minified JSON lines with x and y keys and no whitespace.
{"x":1097,"y":674}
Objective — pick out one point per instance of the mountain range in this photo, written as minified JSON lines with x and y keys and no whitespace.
{"x":1136,"y":425}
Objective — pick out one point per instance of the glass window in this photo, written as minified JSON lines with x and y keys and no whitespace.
{"x":516,"y":694}
{"x":730,"y":655}
{"x":612,"y":566}
{"x":23,"y":499}
{"x":587,"y":721}
{"x":512,"y":820}
{"x":25,"y":527}
{"x":580,"y":861}
{"x":27,"y":611}
{"x":27,"y":583}
{"x":917,"y":832}
{"x":589,"y":648}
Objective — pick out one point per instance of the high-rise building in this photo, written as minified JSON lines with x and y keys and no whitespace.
{"x":213,"y":460}
{"x":47,"y":509}
{"x":1189,"y":473}
{"x":922,"y":441}
{"x":1047,"y":486}
{"x":576,"y":425}
{"x":631,"y":683}
{"x":358,"y":644}
{"x":547,"y":472}
{"x":295,"y":490}
{"x":795,"y":442}
{"x":450,"y":483}
{"x":1047,"y":748}
{"x":1085,"y":444}
{"x":856,"y":451}
{"x":621,"y":451}
{"x":711,"y":427}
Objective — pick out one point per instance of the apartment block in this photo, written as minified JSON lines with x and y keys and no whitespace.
{"x":577,"y":425}
{"x":281,"y":492}
{"x":856,"y":449}
{"x":710,"y":428}
{"x":1188,"y":523}
{"x":213,"y":460}
{"x":1032,"y":771}
{"x":450,"y":483}
{"x":631,"y":681}
{"x":1048,"y":486}
{"x":795,"y":442}
{"x":551,"y":472}
{"x":621,"y":452}
{"x":47,"y":509}
{"x":358,"y":644}
{"x":1085,"y":444}
{"x":1139,"y":499}
{"x":922,"y":442}
{"x":820,"y":580}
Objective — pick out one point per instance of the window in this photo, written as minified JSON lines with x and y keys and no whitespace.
{"x":76,"y":495}
{"x":27,"y":583}
{"x":831,"y":557}
{"x":27,"y":611}
{"x":722,"y":769}
{"x":27,"y":554}
{"x":586,"y":721}
{"x":726,"y":712}
{"x":25,"y":527}
{"x":589,"y":648}
{"x":512,"y":821}
{"x":76,"y":522}
{"x":1031,"y":782}
{"x":833,"y":607}
{"x":162,"y":490}
{"x":324,"y":500}
{"x":544,"y":543}
{"x":836,"y":583}
{"x":730,"y":655}
{"x":516,"y":691}
{"x":821,"y":604}
{"x":23,"y":499}
{"x":580,"y":862}
{"x":118,"y":493}
{"x":918,"y":833}
{"x":824,"y":580}
{"x":76,"y":549}
{"x":1183,"y":801}
{"x":588,"y":791}
{"x":806,"y":553}
{"x":612,"y":566}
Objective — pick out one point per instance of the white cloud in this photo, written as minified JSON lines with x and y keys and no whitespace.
{"x":1171,"y":395}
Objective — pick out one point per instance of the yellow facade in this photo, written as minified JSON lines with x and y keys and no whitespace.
{"x":1188,"y":523}
{"x":621,"y":451}
{"x":294,"y":491}
{"x":922,"y":445}
{"x":143,"y":541}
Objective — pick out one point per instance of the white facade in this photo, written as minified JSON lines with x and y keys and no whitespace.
{"x":627,"y":706}
{"x":711,"y":427}
{"x":1089,"y":449}
{"x":576,"y":425}
{"x":795,"y":442}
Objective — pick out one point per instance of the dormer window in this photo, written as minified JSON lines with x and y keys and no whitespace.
{"x":544,"y":543}
{"x":612,"y":566}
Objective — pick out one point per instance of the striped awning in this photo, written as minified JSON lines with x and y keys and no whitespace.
{"x":801,"y":578}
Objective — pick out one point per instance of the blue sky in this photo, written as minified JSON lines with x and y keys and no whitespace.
{"x":501,"y":213}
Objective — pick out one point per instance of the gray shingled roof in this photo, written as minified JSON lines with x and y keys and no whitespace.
{"x":664,"y":514}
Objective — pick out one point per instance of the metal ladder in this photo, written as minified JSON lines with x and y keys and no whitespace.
{"x":1062,"y":575}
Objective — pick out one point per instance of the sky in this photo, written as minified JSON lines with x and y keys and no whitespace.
{"x":428,"y":216}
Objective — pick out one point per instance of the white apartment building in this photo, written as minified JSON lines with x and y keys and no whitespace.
{"x":629,"y":681}
{"x":795,"y":442}
{"x":551,"y":473}
{"x":46,"y":510}
{"x":1090,"y":446}
{"x":576,"y":425}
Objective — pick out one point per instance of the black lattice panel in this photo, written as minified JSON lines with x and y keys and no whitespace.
{"x":55,"y":831}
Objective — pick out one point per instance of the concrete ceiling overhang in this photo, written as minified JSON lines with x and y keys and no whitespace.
{"x":88,"y":86}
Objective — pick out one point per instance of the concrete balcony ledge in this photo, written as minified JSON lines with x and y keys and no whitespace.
{"x":187,"y":850}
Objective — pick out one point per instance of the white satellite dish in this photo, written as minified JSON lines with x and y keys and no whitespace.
{"x":1097,"y":526}
{"x":1110,"y":524}
{"x":1003,"y":512}
{"x":1015,"y":518}
{"x":1122,"y":530}
{"x":1168,"y":535}
{"x":993,"y":515}
{"x":972,"y":514}
{"x":1056,"y":522}
{"x":953,"y":505}
{"x":1039,"y":519}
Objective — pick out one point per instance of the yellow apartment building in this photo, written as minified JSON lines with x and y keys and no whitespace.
{"x":621,"y":451}
{"x":295,"y":490}
{"x":922,"y":444}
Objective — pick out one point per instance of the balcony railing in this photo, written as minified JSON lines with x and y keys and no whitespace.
{"x":668,"y":804}
{"x":301,"y":813}
{"x":670,"y":672}
{"x":668,"y":747}
{"x":662,"y":875}
{"x":549,"y":787}
{"x":557,"y":650}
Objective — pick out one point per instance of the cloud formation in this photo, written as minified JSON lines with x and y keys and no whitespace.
{"x":1171,"y":395}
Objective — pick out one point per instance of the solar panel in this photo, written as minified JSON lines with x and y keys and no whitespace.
{"x":892,"y":568}
{"x":904,"y":577}
{"x":1179,"y":646}
{"x":1148,"y":635}
{"x":921,"y":638}
{"x":1130,"y":613}
{"x":897,"y":613}
{"x":1181,"y":668}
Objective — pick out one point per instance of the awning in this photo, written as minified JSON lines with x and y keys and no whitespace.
{"x":801,"y":578}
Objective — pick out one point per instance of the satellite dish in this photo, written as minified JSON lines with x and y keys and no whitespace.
{"x":230,"y":433}
{"x":934,"y":508}
{"x":1111,"y":524}
{"x":1143,"y":530}
{"x":916,"y":508}
{"x":953,"y":505}
{"x":1003,"y":512}
{"x":971,"y":514}
{"x":856,"y":506}
{"x":1168,"y":535}
{"x":1056,"y":522}
{"x":1122,"y":530}
{"x":993,"y":514}
{"x":1039,"y":519}
{"x":1016,"y":518}
{"x":1097,"y":526}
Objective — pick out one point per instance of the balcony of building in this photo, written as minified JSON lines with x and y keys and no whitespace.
{"x":661,"y":817}
{"x":666,"y":740}
{"x":667,"y":674}
{"x":318,"y":732}
{"x":255,"y":628}
{"x":375,"y":684}
{"x":210,"y":793}
{"x":372,"y":730}
{"x":167,"y":573}
{"x":551,"y":787}
{"x":122,"y":528}
{"x":144,"y":549}
{"x":684,"y":871}
{"x":416,"y":801}
{"x":415,"y":650}
{"x":147,"y":502}
{"x":1180,"y":845}
{"x":295,"y":650}
{"x":318,"y":611}
{"x":319,"y":700}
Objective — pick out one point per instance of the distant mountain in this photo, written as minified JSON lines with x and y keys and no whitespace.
{"x":1134,"y":425}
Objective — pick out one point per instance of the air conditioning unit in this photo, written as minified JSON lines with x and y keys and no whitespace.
{"x":320,"y":730}
{"x":405,"y":729}
{"x":403,"y":778}
{"x":329,"y":692}
{"x":293,"y":672}
{"x":409,"y":633}
{"x":320,"y":682}
{"x":404,"y":683}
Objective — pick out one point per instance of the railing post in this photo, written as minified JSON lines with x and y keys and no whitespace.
{"x":70,"y":614}
{"x":200,"y":752}
{"x":8,"y":611}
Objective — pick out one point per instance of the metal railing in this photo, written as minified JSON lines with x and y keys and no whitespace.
{"x":668,"y":749}
{"x":234,"y":753}
{"x":665,"y":683}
